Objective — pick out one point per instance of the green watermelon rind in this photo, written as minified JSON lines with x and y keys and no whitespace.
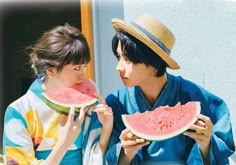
{"x":65,"y":108}
{"x":161,"y":138}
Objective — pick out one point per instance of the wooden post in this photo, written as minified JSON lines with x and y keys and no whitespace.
{"x":87,"y":30}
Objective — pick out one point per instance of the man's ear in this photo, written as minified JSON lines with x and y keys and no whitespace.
{"x":154,"y":70}
{"x":51,"y":71}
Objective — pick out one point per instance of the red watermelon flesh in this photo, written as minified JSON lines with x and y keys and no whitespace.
{"x":61,"y":99}
{"x":87,"y":87}
{"x":163,"y":122}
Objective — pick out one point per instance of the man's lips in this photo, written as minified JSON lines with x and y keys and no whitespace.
{"x":122,"y":77}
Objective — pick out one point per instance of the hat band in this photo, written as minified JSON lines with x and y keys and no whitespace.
{"x":153,"y":38}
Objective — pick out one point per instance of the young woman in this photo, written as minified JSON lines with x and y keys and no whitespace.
{"x":36,"y":134}
{"x":143,"y":50}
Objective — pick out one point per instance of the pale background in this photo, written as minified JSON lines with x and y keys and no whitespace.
{"x":205,"y":47}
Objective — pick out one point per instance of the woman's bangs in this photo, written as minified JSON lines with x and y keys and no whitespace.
{"x":79,"y":55}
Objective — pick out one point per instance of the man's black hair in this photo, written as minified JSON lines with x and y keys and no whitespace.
{"x":137,"y":52}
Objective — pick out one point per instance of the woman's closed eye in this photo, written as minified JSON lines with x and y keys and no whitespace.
{"x":80,"y":67}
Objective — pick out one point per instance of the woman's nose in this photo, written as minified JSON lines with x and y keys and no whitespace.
{"x":82,"y":70}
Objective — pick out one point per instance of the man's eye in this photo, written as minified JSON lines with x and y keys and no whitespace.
{"x":126,"y":59}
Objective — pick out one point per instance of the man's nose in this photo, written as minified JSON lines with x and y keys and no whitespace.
{"x":120,"y":66}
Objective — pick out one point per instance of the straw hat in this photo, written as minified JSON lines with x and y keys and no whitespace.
{"x":151,"y":32}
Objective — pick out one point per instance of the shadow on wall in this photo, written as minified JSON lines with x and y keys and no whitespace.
{"x":21,"y":24}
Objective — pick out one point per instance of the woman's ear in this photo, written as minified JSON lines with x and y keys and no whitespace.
{"x":51,"y":71}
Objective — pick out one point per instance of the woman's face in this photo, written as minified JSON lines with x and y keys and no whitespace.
{"x":133,"y":74}
{"x":73,"y":74}
{"x":69,"y":75}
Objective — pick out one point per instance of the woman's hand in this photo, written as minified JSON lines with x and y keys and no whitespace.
{"x":104,"y":113}
{"x":68,"y":132}
{"x":70,"y":127}
{"x":105,"y":116}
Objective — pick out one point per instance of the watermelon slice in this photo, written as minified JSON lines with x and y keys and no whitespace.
{"x":163,"y":122}
{"x":61,"y":99}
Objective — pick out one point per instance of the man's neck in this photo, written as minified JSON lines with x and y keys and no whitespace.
{"x":152,"y":89}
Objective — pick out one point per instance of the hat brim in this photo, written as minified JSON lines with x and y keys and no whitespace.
{"x":120,"y":25}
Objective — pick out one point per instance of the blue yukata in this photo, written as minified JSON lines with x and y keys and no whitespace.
{"x":31,"y":130}
{"x":180,"y":149}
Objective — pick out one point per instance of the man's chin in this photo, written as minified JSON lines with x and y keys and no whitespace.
{"x":128,"y":84}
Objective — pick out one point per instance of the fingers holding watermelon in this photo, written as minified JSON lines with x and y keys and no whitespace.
{"x":105,"y":116}
{"x":104,"y":112}
{"x":128,"y":138}
{"x":74,"y":120}
{"x":131,"y":143}
{"x":71,"y":128}
{"x":127,"y":135}
{"x":79,"y":119}
{"x":202,"y":129}
{"x":202,"y":132}
{"x":101,"y":98}
{"x":71,"y":114}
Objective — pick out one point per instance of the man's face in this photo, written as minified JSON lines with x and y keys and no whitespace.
{"x":130,"y":73}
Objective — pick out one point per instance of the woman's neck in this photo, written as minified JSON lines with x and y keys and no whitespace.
{"x":50,"y":83}
{"x":152,"y":89}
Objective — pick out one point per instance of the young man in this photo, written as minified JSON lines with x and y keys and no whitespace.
{"x":143,"y":50}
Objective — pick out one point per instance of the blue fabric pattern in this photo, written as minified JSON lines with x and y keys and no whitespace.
{"x":180,"y":149}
